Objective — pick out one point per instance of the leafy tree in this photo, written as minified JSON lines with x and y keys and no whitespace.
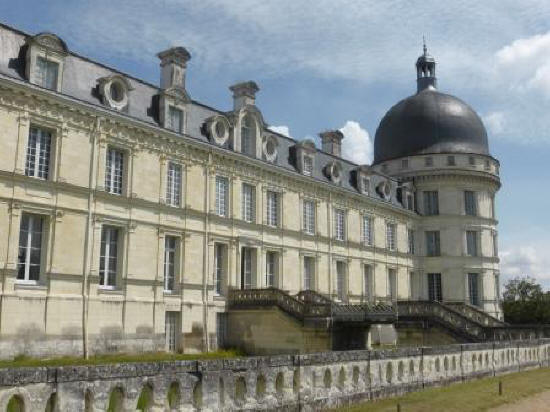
{"x":522,"y":289}
{"x":524,"y":302}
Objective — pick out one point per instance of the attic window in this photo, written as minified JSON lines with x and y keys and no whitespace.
{"x":451,"y":161}
{"x":47,"y":72}
{"x":308,"y":165}
{"x":117,"y":93}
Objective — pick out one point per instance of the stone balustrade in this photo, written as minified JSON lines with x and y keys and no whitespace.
{"x":293,"y":382}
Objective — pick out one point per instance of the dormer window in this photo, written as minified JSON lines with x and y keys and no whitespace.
{"x":308,"y":165}
{"x":44,"y":60}
{"x":365,"y":185}
{"x":248,"y":135}
{"x":47,"y":72}
{"x":176,"y":119}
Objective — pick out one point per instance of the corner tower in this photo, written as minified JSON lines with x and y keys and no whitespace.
{"x":439,"y":143}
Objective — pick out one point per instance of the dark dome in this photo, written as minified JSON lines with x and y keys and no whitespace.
{"x":429,"y":122}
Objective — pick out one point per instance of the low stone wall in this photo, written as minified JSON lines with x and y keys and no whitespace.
{"x":288,"y":382}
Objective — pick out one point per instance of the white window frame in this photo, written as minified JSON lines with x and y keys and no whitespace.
{"x":172,"y":110}
{"x":307,"y":162}
{"x":174,"y":178}
{"x":28,"y":244}
{"x":339,"y":224}
{"x":410,"y":240}
{"x":367,"y":230}
{"x":271,"y":264}
{"x":308,"y":216}
{"x":114,"y":171}
{"x":106,"y":254}
{"x":222,"y":196}
{"x":248,"y":202}
{"x":44,"y":68}
{"x":220,"y":255}
{"x":473,"y":235}
{"x":470,"y":203}
{"x":273,"y":202}
{"x":39,"y":150}
{"x":433,"y":237}
{"x":309,"y":273}
{"x":171,"y":253}
{"x":391,"y":236}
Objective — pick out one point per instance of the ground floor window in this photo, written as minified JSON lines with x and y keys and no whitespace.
{"x":434,"y":287}
{"x":171,"y":325}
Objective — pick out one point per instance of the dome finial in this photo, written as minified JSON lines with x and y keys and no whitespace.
{"x":425,"y":69}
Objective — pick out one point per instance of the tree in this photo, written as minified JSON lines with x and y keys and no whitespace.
{"x":524,"y":302}
{"x":522,"y":289}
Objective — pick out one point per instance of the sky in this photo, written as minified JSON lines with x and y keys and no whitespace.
{"x":342,"y":64}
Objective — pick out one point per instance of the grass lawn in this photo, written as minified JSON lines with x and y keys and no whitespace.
{"x":22,"y":361}
{"x":478,"y":395}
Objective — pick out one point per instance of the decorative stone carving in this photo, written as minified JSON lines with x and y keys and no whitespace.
{"x":334,"y":172}
{"x":217,"y":129}
{"x":384,"y":189}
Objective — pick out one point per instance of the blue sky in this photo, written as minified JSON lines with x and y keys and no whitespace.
{"x":342,"y":64}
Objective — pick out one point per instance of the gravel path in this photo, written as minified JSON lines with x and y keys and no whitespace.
{"x":537,"y":403}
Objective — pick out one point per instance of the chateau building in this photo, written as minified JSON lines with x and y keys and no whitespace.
{"x":129,"y":211}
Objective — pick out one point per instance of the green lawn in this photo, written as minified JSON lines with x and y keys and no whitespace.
{"x":478,"y":395}
{"x":22,"y":361}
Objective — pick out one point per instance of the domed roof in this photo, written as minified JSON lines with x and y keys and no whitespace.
{"x":429,"y":122}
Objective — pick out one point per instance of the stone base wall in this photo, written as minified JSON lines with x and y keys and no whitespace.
{"x":286,"y":382}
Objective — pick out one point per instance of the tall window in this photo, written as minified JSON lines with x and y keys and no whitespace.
{"x":309,"y":273}
{"x":30,"y":247}
{"x":495,"y":244}
{"x":470,"y":205}
{"x":219,"y":264}
{"x":341,"y":280}
{"x":410,"y":240}
{"x":392,"y":284}
{"x":433,"y":247}
{"x":270,"y":269}
{"x":114,"y":172}
{"x":339,"y":224}
{"x":473,"y":288}
{"x":248,"y":203}
{"x":272,"y":208}
{"x":309,"y":217}
{"x":176,"y":119}
{"x":471,"y":243}
{"x":170,"y":249}
{"x":391,"y":241}
{"x":38,"y":153}
{"x":367,"y":281}
{"x":222,"y":196}
{"x":246,"y":268}
{"x":434,"y":287}
{"x":47,"y":72}
{"x":108,"y":261}
{"x":248,"y":135}
{"x":308,"y":165}
{"x":367,"y":230}
{"x":431,"y":202}
{"x":173,"y":184}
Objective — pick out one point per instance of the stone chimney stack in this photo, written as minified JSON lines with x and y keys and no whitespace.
{"x":332,"y":142}
{"x":244,"y":94}
{"x":173,"y":64}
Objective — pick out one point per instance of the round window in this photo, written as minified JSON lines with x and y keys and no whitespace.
{"x":270,"y":147}
{"x":220,"y":129}
{"x":117,"y":92}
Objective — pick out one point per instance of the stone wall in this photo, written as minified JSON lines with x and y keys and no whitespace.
{"x":286,"y":382}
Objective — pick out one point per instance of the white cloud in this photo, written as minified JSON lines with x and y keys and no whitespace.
{"x":495,"y":121}
{"x":528,"y":260}
{"x":357,"y":145}
{"x":284,"y":130}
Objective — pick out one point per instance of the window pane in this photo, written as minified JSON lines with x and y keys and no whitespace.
{"x":114,"y":171}
{"x":272,"y":208}
{"x":176,"y":119}
{"x":222,"y":186}
{"x":173,"y":184}
{"x":47,"y":72}
{"x":431,"y":203}
{"x":339,"y":222}
{"x":248,"y":203}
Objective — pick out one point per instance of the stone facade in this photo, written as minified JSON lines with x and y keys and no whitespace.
{"x":147,"y":207}
{"x":294,"y":382}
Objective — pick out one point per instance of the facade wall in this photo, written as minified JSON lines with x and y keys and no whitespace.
{"x":68,"y":304}
{"x":300,"y":382}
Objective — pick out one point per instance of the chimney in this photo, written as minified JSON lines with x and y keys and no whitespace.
{"x":173,"y":63}
{"x":244,"y":94}
{"x":332,"y":142}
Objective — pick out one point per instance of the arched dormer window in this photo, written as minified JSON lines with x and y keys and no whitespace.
{"x":248,"y":135}
{"x":45,"y":58}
